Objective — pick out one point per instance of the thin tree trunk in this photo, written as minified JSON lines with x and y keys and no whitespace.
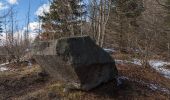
{"x":105,"y":19}
{"x":71,"y":26}
{"x":99,"y":24}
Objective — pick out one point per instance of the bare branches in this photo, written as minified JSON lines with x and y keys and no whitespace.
{"x":7,"y":14}
{"x":164,"y":5}
{"x":100,"y":13}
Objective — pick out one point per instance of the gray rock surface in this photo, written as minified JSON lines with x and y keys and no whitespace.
{"x":77,"y":61}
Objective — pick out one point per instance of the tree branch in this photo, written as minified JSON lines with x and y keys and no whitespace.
{"x":164,"y":5}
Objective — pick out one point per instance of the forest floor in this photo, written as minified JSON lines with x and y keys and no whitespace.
{"x":23,"y":82}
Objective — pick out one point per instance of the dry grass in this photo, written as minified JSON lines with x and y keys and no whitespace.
{"x":145,"y":74}
{"x":122,"y":56}
{"x":167,"y":67}
{"x":20,"y":82}
{"x":128,"y":90}
{"x":21,"y":72}
{"x":36,"y":89}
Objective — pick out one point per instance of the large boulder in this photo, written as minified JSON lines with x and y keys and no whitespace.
{"x":77,"y":61}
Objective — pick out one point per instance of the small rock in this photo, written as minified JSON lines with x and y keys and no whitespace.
{"x":66,"y":90}
{"x":42,"y":74}
{"x":32,"y":98}
{"x":51,"y":95}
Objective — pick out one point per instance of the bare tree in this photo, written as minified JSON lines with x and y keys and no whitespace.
{"x":100,"y":13}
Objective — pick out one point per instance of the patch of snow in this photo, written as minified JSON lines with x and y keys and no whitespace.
{"x":3,"y":69}
{"x":119,"y":61}
{"x":158,"y":63}
{"x":109,"y":50}
{"x":29,"y":64}
{"x":4,"y":64}
{"x":137,"y":62}
{"x":159,"y":66}
{"x":134,"y":61}
{"x":122,"y":61}
{"x":154,"y":87}
{"x":136,"y":50}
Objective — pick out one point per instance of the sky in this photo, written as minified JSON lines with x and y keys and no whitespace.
{"x":37,"y":7}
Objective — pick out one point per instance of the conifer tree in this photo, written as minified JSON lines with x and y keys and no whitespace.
{"x":1,"y":29}
{"x":63,"y":19}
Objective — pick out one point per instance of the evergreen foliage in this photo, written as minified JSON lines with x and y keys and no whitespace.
{"x":63,"y":18}
{"x":1,"y":29}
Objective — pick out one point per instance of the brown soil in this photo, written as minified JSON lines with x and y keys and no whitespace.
{"x":32,"y":84}
{"x":167,"y":67}
{"x":21,"y":81}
